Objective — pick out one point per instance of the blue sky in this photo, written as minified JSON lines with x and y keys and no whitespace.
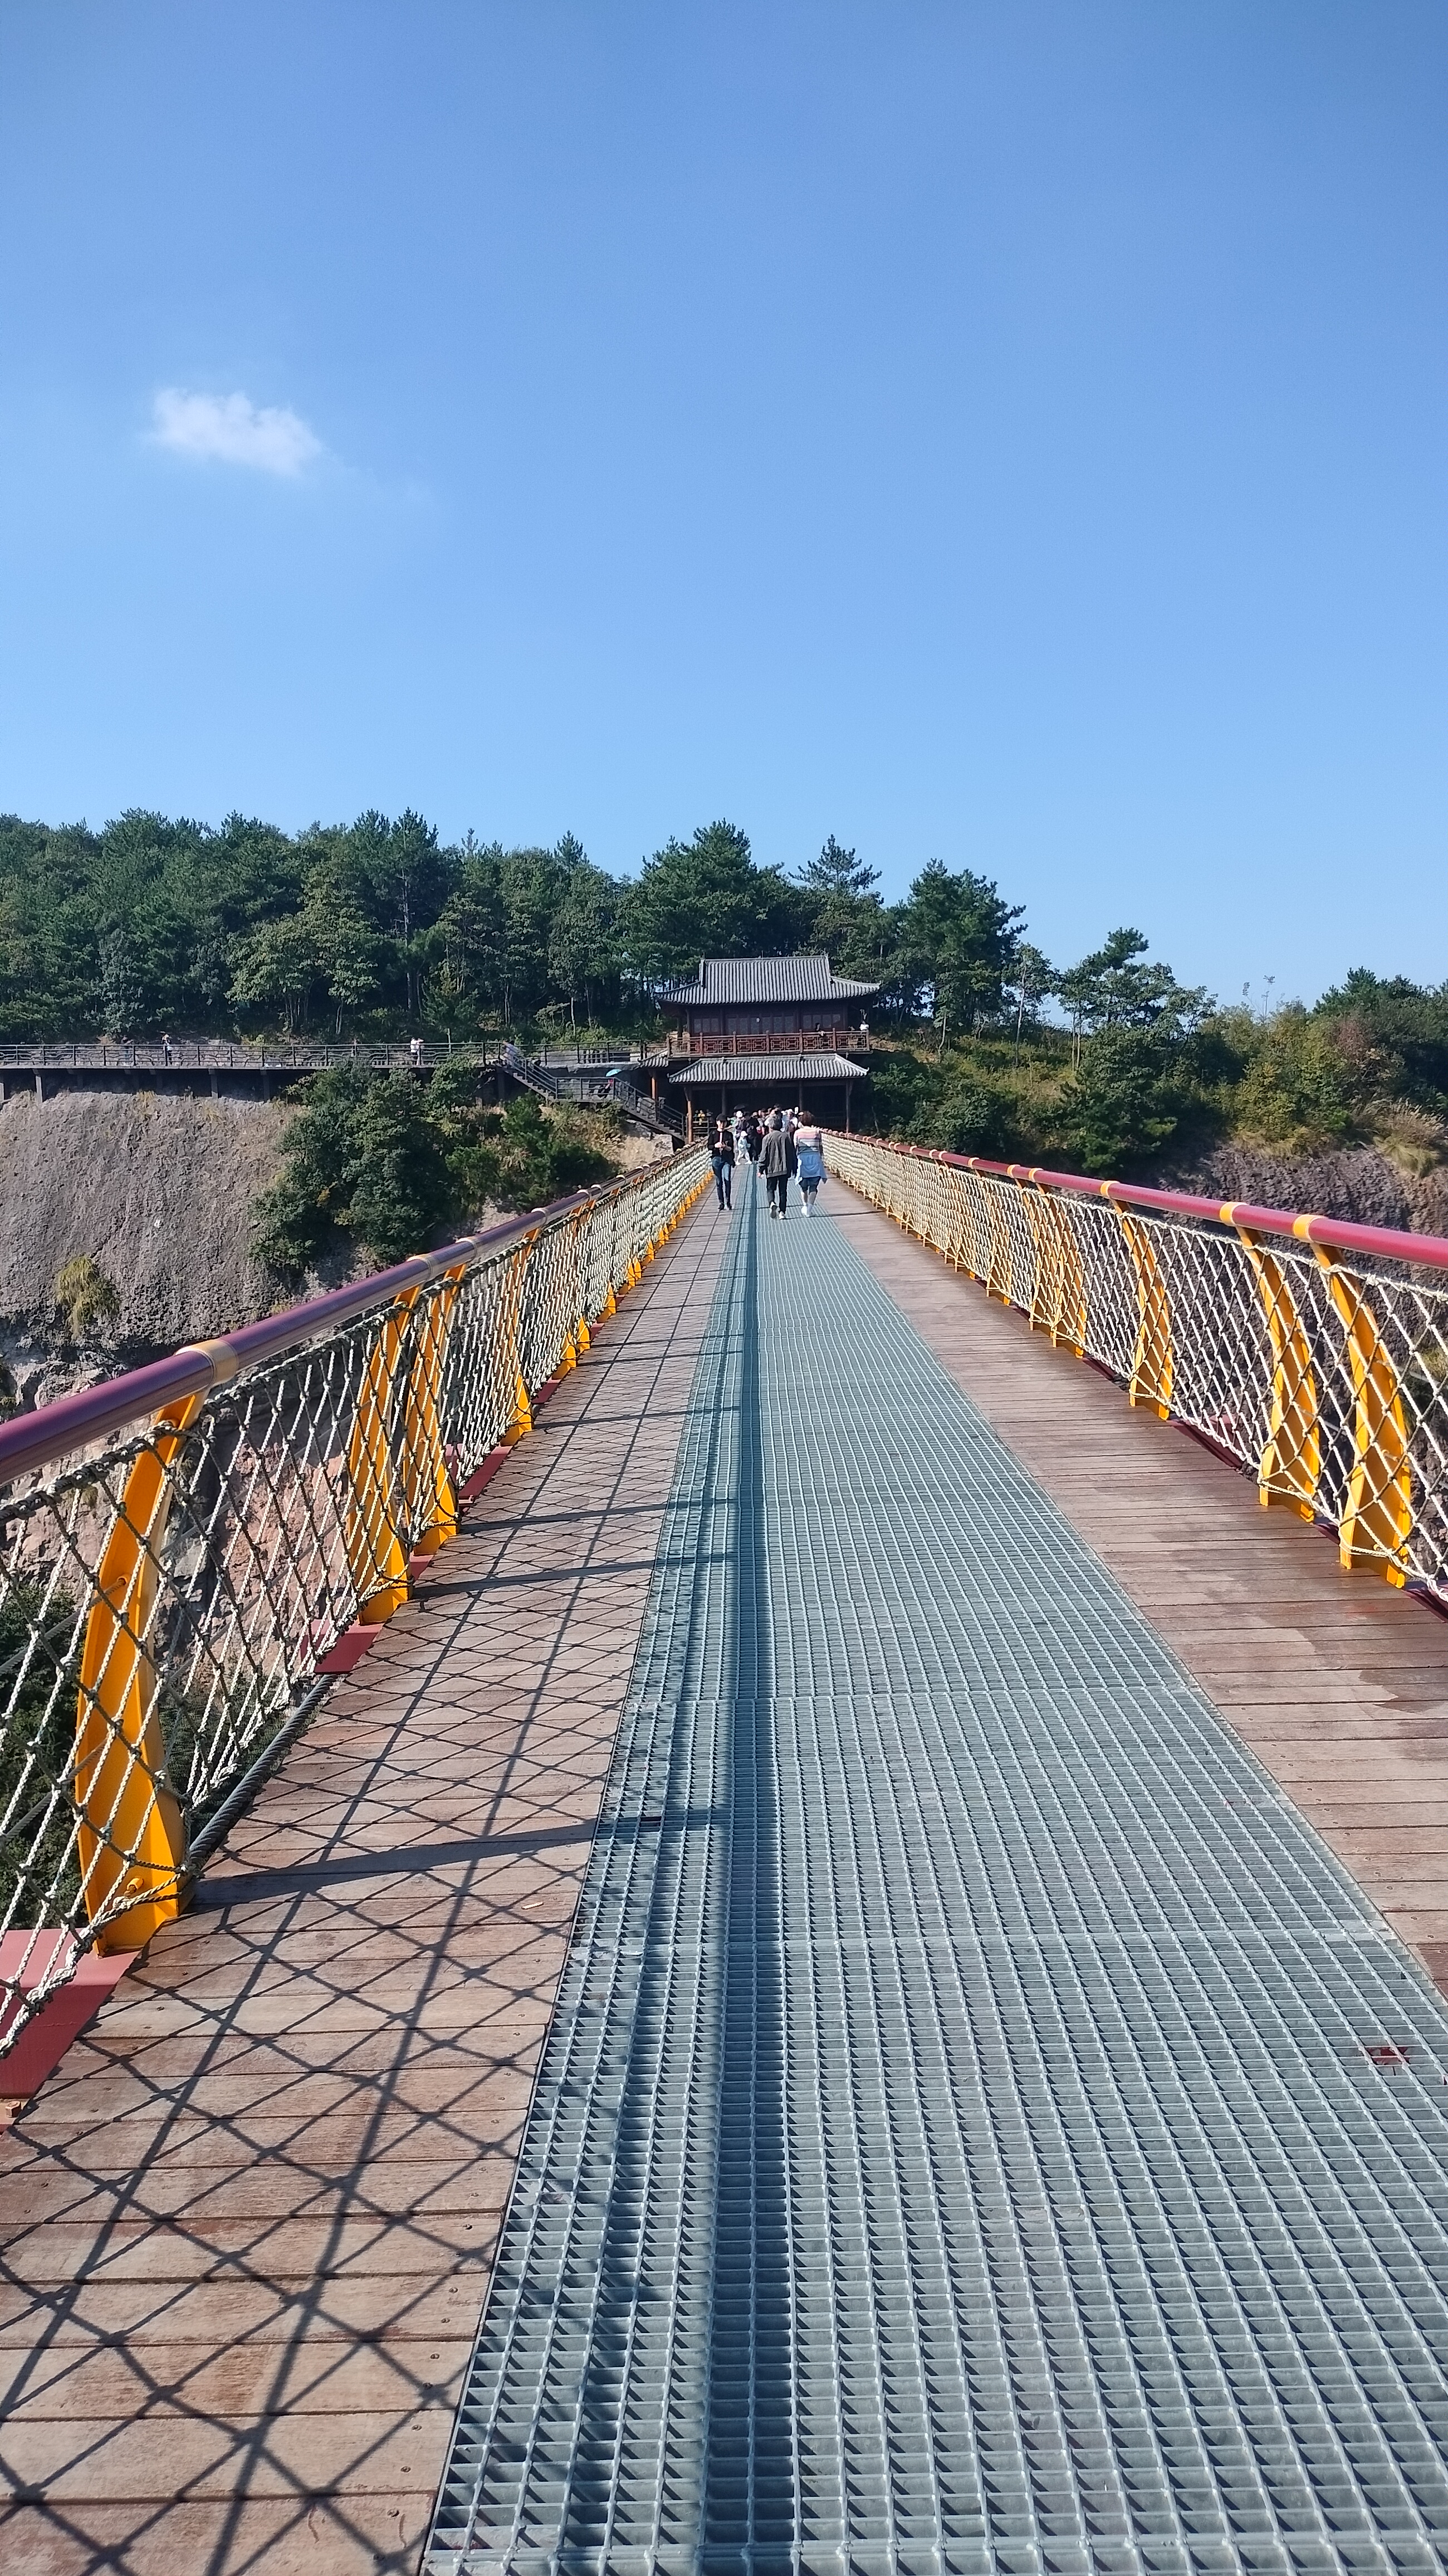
{"x":1014,"y":434}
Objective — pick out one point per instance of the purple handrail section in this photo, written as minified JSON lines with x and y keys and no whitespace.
{"x":1389,"y":1243}
{"x":34,"y":1440}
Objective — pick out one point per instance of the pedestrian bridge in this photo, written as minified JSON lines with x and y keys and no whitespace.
{"x":740,"y":1909}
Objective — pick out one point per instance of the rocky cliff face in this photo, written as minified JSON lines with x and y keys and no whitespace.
{"x":157,"y":1191}
{"x":1357,"y":1183}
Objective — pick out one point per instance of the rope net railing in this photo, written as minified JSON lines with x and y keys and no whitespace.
{"x":184,"y":1551}
{"x":1311,"y":1352}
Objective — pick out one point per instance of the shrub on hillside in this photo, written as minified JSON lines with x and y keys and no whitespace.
{"x":936,"y":1104}
{"x":902,"y":1089}
{"x":522,"y":1156}
{"x":396,"y":1164}
{"x":1297,"y":1088}
{"x":1124,"y":1101}
{"x":85,"y":1299}
{"x":362,"y":1157}
{"x":970,"y":1119}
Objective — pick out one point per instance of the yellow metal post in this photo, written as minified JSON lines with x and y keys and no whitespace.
{"x":1378,"y":1522}
{"x":522,"y":1422}
{"x":1038,"y":1216}
{"x":131,"y":1840}
{"x":1291,"y":1462}
{"x":375,"y":1550}
{"x":998,"y":1268}
{"x":976,"y":1242}
{"x":1151,"y":1368}
{"x":1059,"y":1304}
{"x":955,"y":1210}
{"x":428,"y":1490}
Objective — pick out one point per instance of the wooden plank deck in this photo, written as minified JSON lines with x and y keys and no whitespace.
{"x":247,"y":2226}
{"x":1338,"y":1683}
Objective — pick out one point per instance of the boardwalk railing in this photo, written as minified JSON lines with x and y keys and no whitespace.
{"x":302,"y":1055}
{"x":222,"y":1055}
{"x":1314,"y":1353}
{"x":189,"y":1549}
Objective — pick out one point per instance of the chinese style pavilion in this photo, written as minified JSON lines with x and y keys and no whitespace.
{"x":763,"y":1032}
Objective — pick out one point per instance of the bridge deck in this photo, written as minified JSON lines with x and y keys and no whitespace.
{"x":958,"y":2143}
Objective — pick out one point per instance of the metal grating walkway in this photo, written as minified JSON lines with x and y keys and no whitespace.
{"x":982,"y":2127}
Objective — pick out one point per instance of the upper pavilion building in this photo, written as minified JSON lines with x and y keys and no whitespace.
{"x":756,"y":1032}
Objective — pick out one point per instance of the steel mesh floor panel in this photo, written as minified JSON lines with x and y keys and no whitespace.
{"x":982,"y":2126}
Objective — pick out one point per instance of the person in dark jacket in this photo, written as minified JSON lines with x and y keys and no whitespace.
{"x":776,"y":1162}
{"x":721,"y":1155}
{"x":753,"y":1142}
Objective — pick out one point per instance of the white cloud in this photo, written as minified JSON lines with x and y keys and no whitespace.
{"x":234,"y":430}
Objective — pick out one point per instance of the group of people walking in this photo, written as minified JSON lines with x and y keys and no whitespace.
{"x":783,"y":1147}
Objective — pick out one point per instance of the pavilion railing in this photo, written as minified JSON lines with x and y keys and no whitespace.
{"x":187,"y":1551}
{"x":683,"y":1048}
{"x":1311,"y":1352}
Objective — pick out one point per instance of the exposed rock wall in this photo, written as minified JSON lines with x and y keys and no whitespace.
{"x":1357,"y":1183}
{"x":157,"y":1190}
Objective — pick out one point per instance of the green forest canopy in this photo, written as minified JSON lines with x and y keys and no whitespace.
{"x":151,"y":924}
{"x":376,"y":928}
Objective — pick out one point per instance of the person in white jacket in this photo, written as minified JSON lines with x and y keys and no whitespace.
{"x":809,"y":1151}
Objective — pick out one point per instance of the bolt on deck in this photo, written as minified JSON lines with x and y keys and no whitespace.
{"x":982,"y":2127}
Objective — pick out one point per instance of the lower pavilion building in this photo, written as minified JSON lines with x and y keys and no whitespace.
{"x":763,"y":1033}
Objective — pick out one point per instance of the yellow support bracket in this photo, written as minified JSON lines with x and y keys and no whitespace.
{"x":130,"y":1836}
{"x":1377,"y":1524}
{"x":954,"y":1245}
{"x":376,"y":1554}
{"x":427,"y":1484}
{"x":998,"y":1269}
{"x":522,"y":1422}
{"x":1290,"y":1467}
{"x":1151,"y":1369}
{"x":978,"y":1252}
{"x":577,"y":1341}
{"x":1058,"y":1305}
{"x":1038,"y":1214}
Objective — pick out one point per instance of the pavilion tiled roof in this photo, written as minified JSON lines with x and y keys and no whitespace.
{"x":780,"y":1074}
{"x":729,"y":981}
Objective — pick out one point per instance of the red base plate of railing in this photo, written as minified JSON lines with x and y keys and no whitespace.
{"x":61,"y":2018}
{"x":349,"y":1650}
{"x":483,"y":1476}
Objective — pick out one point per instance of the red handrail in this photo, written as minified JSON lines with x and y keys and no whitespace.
{"x":1389,"y":1243}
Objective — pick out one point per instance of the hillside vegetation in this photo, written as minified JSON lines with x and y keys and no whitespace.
{"x":1110,"y":1063}
{"x":1233,"y":1099}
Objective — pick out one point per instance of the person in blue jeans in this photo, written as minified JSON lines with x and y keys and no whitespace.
{"x":721,"y":1155}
